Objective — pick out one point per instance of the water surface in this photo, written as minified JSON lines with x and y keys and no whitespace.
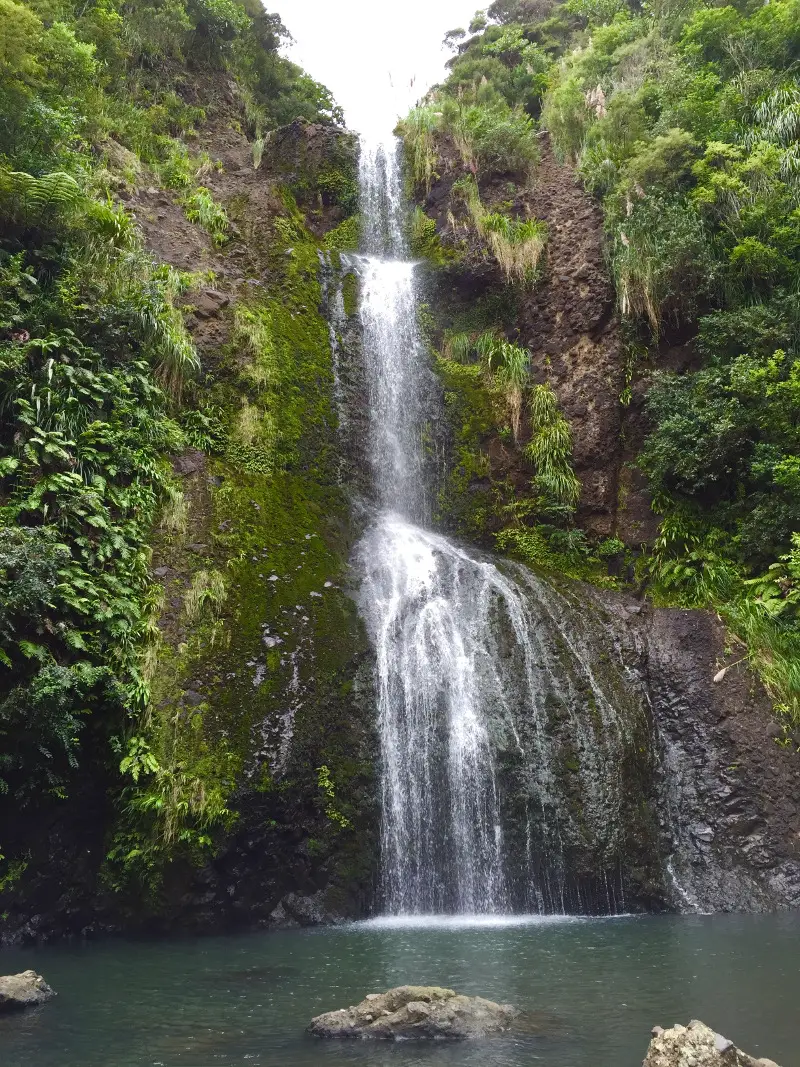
{"x":599,"y":984}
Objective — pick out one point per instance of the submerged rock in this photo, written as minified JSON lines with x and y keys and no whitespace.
{"x":696,"y":1045}
{"x":417,"y":1012}
{"x":24,"y":990}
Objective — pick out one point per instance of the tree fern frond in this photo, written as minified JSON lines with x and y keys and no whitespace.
{"x":27,"y":200}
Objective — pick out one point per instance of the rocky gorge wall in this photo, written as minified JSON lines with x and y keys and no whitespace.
{"x":263,"y":690}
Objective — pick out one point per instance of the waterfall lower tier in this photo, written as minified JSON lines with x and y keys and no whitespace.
{"x":504,"y":753}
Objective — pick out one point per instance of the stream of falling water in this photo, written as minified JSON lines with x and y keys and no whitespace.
{"x":460,"y":660}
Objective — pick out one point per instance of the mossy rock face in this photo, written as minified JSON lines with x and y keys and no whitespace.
{"x":262,"y":713}
{"x":320,"y":164}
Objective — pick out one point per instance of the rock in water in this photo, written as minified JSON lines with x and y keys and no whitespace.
{"x":416,"y":1012}
{"x":24,"y":990}
{"x":696,"y":1045}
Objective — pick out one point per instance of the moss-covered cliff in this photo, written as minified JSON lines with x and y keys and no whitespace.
{"x":191,"y":661}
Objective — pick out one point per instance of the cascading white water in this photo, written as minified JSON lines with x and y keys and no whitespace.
{"x":442,"y":837}
{"x":430,"y":712}
{"x":467,"y":673}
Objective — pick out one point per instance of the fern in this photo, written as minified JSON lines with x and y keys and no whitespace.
{"x":550,"y":450}
{"x":27,"y":200}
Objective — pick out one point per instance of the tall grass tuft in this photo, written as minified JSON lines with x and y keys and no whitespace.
{"x":418,"y":129}
{"x":517,"y":244}
{"x":458,"y":346}
{"x":200,"y":206}
{"x":508,"y":363}
{"x":258,"y":152}
{"x":177,"y":357}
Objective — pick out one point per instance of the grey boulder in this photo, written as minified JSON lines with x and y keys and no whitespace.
{"x":24,"y":990}
{"x":696,"y":1045}
{"x":412,"y":1012}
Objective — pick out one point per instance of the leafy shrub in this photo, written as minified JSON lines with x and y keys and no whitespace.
{"x":501,"y":140}
{"x":596,"y":12}
{"x":664,"y":164}
{"x":662,"y":261}
{"x":725,"y":437}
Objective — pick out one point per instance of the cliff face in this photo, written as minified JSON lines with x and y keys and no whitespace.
{"x":261,"y":708}
{"x":729,"y":790}
{"x":710,"y":815}
{"x":570,"y":325}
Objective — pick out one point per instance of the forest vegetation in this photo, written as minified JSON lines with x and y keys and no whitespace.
{"x":99,"y":387}
{"x":682,"y":118}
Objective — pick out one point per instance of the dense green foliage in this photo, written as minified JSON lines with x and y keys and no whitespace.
{"x":684,"y":120}
{"x":687,"y":123}
{"x":89,"y":329}
{"x":96,"y":368}
{"x":74,"y":74}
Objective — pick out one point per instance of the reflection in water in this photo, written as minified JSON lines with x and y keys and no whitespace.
{"x":595,"y":987}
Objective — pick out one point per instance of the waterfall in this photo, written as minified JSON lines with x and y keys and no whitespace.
{"x":484,"y":688}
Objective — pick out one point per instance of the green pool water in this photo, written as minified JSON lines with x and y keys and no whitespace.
{"x":598,"y":985}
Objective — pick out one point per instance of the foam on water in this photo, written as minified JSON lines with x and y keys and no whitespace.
{"x":471,"y":922}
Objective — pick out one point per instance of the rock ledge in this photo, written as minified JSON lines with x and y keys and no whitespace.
{"x":412,"y":1012}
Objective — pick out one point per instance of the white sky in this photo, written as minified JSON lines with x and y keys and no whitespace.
{"x":377,"y":57}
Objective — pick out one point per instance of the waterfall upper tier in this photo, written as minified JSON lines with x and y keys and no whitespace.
{"x":400,"y":386}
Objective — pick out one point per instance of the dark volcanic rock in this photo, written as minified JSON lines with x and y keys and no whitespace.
{"x":734,"y":792}
{"x":417,"y":1013}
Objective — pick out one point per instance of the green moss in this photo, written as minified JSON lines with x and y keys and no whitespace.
{"x":284,"y":638}
{"x":424,"y":241}
{"x":339,"y":187}
{"x":350,"y":292}
{"x":345,"y":236}
{"x":468,"y":406}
